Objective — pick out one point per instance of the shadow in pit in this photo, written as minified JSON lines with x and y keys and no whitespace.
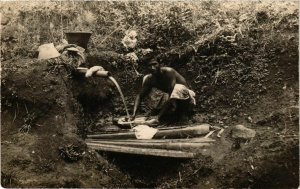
{"x":145,"y":171}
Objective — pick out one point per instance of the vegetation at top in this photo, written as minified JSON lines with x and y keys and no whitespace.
{"x":163,"y":26}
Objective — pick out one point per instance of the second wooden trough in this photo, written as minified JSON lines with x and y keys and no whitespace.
{"x":185,"y":132}
{"x":177,"y":142}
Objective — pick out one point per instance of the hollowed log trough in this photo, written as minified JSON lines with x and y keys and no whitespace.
{"x":176,"y":142}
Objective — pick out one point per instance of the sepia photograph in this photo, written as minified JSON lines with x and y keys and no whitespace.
{"x":150,"y":94}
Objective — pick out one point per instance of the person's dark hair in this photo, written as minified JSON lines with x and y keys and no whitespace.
{"x":153,"y":61}
{"x":149,"y":57}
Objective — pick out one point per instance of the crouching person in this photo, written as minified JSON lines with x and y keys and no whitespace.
{"x":181,"y":99}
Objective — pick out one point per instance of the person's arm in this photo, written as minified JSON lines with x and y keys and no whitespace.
{"x":180,"y":79}
{"x":176,"y":77}
{"x":146,"y":89}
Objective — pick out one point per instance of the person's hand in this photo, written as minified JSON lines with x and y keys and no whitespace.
{"x":126,"y":119}
{"x":132,"y":118}
{"x":152,"y":120}
{"x":156,"y":118}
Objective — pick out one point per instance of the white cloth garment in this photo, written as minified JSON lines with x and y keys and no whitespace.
{"x":181,"y":92}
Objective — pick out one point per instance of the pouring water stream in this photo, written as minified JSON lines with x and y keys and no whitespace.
{"x":103,"y":73}
{"x":122,"y":96}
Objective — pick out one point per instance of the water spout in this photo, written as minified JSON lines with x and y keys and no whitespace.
{"x":105,"y":74}
{"x":100,"y":73}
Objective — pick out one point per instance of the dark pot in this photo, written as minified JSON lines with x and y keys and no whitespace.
{"x":78,"y":38}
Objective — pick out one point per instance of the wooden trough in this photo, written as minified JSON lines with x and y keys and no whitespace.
{"x":166,"y":143}
{"x":162,"y":133}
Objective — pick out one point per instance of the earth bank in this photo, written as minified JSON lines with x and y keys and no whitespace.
{"x":247,"y":76}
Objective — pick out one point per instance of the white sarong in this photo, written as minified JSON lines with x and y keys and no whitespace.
{"x":181,"y":92}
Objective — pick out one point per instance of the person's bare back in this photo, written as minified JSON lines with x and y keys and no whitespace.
{"x":164,"y":80}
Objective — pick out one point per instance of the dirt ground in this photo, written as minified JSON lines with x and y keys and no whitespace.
{"x":47,"y":110}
